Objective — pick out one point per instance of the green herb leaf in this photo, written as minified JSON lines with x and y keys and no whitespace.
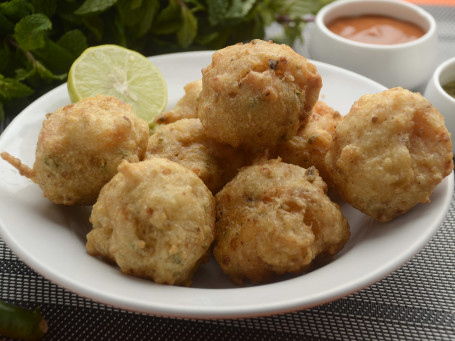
{"x":16,"y":9}
{"x":96,"y":26}
{"x":11,"y":88}
{"x":240,"y":8}
{"x":55,"y":57}
{"x":207,"y":39}
{"x":73,"y":41}
{"x":129,"y":12}
{"x":137,"y":15}
{"x":47,"y":75}
{"x":135,"y":4}
{"x":221,"y":13}
{"x":94,"y":6}
{"x":38,"y":75}
{"x":42,"y":38}
{"x":4,"y":56}
{"x":149,"y":10}
{"x":168,"y":20}
{"x":188,"y":30}
{"x":30,"y":31}
{"x":47,"y":7}
{"x":217,"y":10}
{"x":6,"y":25}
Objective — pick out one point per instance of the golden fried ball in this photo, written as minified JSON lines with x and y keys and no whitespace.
{"x":154,"y":219}
{"x":389,"y":153}
{"x":275,"y":218}
{"x":184,"y":142}
{"x":80,"y":146}
{"x":312,"y":141}
{"x":186,"y":107}
{"x":256,"y":94}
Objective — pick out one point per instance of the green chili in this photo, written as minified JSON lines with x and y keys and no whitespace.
{"x":21,"y":323}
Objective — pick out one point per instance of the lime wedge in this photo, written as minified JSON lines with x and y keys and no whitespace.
{"x":116,"y":71}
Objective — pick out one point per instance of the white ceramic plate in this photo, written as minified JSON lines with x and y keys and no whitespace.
{"x":51,"y":238}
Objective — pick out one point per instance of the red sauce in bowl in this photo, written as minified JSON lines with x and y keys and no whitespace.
{"x":375,"y":29}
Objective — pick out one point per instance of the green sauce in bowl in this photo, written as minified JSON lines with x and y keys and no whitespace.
{"x":450,"y":88}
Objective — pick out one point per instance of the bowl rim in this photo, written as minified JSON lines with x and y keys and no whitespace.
{"x":436,"y":78}
{"x":319,"y":22}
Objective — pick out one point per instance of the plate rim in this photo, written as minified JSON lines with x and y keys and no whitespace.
{"x":213,"y":312}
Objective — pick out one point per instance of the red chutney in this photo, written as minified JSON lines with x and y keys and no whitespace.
{"x":375,"y":29}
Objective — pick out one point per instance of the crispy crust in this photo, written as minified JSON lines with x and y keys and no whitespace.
{"x":275,"y":218}
{"x":80,"y":146}
{"x":312,"y":141}
{"x":154,"y":219}
{"x":186,"y":107}
{"x":256,"y":94}
{"x":389,"y":153}
{"x":185,"y":142}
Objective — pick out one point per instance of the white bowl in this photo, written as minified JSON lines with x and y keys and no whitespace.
{"x":434,"y":92}
{"x":407,"y":64}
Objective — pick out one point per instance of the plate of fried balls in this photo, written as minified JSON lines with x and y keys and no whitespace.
{"x":271,"y":183}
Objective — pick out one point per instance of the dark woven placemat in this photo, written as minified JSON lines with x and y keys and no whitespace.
{"x":416,"y":302}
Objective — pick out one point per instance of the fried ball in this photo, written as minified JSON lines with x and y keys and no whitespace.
{"x":186,"y":107}
{"x":155,"y":219}
{"x":184,"y":142}
{"x":256,"y":94}
{"x":389,"y":153}
{"x":309,"y":146}
{"x":275,"y":218}
{"x":80,"y":146}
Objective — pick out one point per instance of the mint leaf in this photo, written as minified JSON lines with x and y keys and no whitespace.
{"x":128,"y":12}
{"x":55,"y":57}
{"x":118,"y":32}
{"x":47,"y":75}
{"x":36,"y":75}
{"x":32,"y":52}
{"x":74,"y":42}
{"x":137,"y":15}
{"x":217,"y":10}
{"x":136,"y":4}
{"x":240,"y":8}
{"x":297,"y":8}
{"x":30,"y":31}
{"x":188,"y":30}
{"x":4,"y":57}
{"x":95,"y":25}
{"x":168,"y":20}
{"x":94,"y":6}
{"x":22,"y":74}
{"x":149,"y":10}
{"x":16,"y":9}
{"x":11,"y":88}
{"x":6,"y":26}
{"x":47,"y":7}
{"x":206,"y":39}
{"x":229,"y":13}
{"x":64,"y":14}
{"x":266,"y":15}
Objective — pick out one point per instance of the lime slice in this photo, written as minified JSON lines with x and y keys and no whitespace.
{"x":116,"y":71}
